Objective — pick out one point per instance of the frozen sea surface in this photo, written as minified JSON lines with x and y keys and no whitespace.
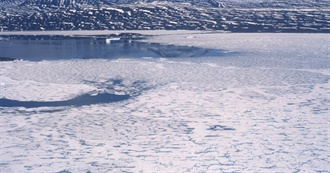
{"x":265,"y":109}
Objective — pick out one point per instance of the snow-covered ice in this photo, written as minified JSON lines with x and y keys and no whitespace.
{"x":263,"y":108}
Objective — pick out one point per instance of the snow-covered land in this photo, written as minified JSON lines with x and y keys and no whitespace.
{"x":285,"y":16}
{"x":262,"y":107}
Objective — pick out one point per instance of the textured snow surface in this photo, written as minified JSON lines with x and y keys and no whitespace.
{"x":264,"y":108}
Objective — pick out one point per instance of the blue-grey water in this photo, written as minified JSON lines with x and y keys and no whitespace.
{"x":82,"y":100}
{"x":36,"y":48}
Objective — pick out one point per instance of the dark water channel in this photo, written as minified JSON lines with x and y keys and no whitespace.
{"x":37,"y":48}
{"x":78,"y":101}
{"x":132,"y":90}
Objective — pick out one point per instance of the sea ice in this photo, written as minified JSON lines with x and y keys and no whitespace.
{"x":262,"y":108}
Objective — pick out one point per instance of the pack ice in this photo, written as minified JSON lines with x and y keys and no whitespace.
{"x":262,"y":107}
